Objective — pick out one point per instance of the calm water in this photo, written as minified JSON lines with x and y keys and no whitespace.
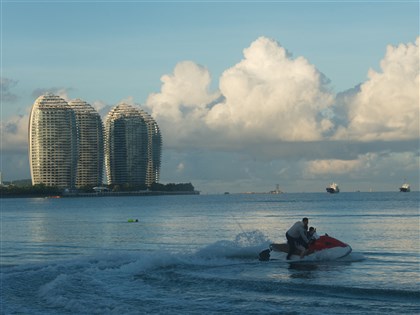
{"x":198,"y":255}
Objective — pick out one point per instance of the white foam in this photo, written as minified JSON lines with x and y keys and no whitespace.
{"x":246,"y":245}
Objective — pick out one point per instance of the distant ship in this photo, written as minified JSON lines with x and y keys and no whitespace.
{"x":405,"y":187}
{"x":276,"y":191}
{"x":333,"y":188}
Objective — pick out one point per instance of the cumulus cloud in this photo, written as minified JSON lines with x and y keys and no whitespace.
{"x":181,"y":106}
{"x":280,"y":106}
{"x":102,"y":108}
{"x":387,"y":106}
{"x":268,"y":95}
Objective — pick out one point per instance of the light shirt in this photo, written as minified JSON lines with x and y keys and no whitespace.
{"x":315,"y":236}
{"x":298,"y":230}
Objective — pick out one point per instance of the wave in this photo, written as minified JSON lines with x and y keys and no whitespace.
{"x":246,"y":245}
{"x":220,"y":277}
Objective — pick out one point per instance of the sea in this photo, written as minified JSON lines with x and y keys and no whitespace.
{"x":198,"y":254}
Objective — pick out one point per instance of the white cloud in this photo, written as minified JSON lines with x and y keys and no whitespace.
{"x":181,"y":105}
{"x":271,"y":96}
{"x":268,"y":95}
{"x":387,"y":106}
{"x":102,"y":108}
{"x":331,"y":166}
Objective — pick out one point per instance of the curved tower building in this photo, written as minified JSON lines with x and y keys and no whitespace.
{"x":52,"y":142}
{"x":154,"y":150}
{"x":126,"y":146}
{"x":90,"y":144}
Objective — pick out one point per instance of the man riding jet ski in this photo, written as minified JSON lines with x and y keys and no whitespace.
{"x":297,"y":235}
{"x":324,"y":248}
{"x":317,"y":248}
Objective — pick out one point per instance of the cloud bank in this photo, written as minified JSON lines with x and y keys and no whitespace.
{"x":267,"y":96}
{"x":273,"y":107}
{"x":271,"y":97}
{"x":387,"y":105}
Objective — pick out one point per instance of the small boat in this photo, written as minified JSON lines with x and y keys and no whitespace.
{"x":325,"y":248}
{"x":405,"y":187}
{"x":333,"y":188}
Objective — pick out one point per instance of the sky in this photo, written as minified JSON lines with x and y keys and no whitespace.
{"x":248,"y":95}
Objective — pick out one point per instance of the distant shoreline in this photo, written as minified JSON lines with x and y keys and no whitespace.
{"x":104,"y":194}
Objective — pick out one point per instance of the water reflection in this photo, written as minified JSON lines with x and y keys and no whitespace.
{"x":315,"y":270}
{"x":302,"y":271}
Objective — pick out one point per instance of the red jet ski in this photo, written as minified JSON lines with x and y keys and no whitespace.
{"x":322,"y":249}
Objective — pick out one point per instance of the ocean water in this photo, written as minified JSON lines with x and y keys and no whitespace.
{"x":199,"y":255}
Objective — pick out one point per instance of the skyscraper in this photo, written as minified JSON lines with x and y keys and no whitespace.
{"x":126,"y":146}
{"x":90,"y":159}
{"x":154,"y":149}
{"x":52,"y":142}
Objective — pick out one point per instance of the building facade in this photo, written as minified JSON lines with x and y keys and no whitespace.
{"x":52,"y":142}
{"x":68,"y":145}
{"x":154,"y":149}
{"x":90,"y":140}
{"x":126,"y":146}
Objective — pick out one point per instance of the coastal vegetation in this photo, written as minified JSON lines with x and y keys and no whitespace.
{"x":41,"y":190}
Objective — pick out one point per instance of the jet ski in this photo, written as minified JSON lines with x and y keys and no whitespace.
{"x":325,"y":248}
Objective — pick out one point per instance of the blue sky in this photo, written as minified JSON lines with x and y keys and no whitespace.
{"x":105,"y":52}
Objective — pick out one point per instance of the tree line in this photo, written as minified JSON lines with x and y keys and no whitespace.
{"x":38,"y":190}
{"x":41,"y":190}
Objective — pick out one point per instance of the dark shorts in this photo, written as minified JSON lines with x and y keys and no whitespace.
{"x":296,"y":241}
{"x":301,"y":242}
